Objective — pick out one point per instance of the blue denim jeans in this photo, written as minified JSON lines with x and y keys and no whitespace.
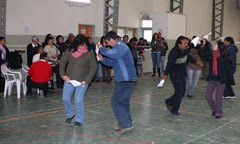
{"x":121,"y":103}
{"x":156,"y":59}
{"x":68,"y":91}
{"x":96,"y":77}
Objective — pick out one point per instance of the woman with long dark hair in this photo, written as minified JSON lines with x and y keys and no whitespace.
{"x":220,"y":73}
{"x":77,"y":69}
{"x":156,"y":51}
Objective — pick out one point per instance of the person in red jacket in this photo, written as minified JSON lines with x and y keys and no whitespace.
{"x":39,"y":74}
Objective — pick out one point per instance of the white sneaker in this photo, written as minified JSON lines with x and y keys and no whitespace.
{"x":232,"y":97}
{"x":123,"y":130}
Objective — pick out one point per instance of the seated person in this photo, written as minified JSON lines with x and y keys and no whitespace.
{"x":39,"y":74}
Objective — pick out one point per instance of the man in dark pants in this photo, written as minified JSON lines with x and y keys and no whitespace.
{"x":4,"y":57}
{"x":120,"y":58}
{"x":176,"y":67}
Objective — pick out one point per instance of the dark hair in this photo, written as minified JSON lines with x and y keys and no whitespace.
{"x":58,"y":37}
{"x":2,"y":38}
{"x":102,"y":39}
{"x":43,"y":55}
{"x":133,"y":39}
{"x":229,"y":39}
{"x":141,"y":38}
{"x":89,"y":37}
{"x":111,"y":35}
{"x":224,"y":54}
{"x":79,"y":40}
{"x":179,"y":40}
{"x":194,"y":37}
{"x":125,"y":36}
{"x":162,"y":38}
{"x":49,"y":38}
{"x":36,"y":49}
{"x":153,"y":38}
{"x":140,"y":52}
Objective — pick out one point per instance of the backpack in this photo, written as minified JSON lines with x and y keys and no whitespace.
{"x":15,"y":60}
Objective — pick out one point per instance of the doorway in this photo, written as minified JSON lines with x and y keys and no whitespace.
{"x":86,"y":30}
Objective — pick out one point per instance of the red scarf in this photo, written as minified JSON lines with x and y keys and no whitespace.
{"x":79,"y":52}
{"x":216,"y":55}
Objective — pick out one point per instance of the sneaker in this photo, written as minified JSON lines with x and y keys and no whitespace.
{"x":232,"y":97}
{"x":213,"y":113}
{"x":77,"y":124}
{"x":175,"y":113}
{"x":168,"y":106}
{"x":117,"y":126}
{"x":69,"y":120}
{"x":123,"y":130}
{"x":218,"y":117}
{"x":226,"y":97}
{"x":190,"y":96}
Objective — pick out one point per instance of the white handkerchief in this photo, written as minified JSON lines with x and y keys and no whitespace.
{"x":206,"y":36}
{"x":195,"y":41}
{"x":75,"y":83}
{"x":161,"y":83}
{"x":97,"y":52}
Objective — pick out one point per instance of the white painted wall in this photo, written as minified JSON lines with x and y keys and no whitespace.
{"x":28,"y":17}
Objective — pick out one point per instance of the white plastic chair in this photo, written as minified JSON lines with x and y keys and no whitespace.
{"x":12,"y":77}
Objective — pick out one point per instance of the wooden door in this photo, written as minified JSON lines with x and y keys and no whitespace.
{"x":85,"y":30}
{"x":132,"y":31}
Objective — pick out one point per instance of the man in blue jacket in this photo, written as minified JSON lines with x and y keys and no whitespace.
{"x":120,"y":58}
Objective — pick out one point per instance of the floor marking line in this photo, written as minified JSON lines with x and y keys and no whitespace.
{"x":47,"y":113}
{"x":80,"y":135}
{"x":62,"y":110}
{"x":211,"y":131}
{"x":186,"y":112}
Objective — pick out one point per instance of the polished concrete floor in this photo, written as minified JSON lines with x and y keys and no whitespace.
{"x":35,"y":120}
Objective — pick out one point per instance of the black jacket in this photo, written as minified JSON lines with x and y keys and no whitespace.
{"x":225,"y":73}
{"x":30,"y":54}
{"x":177,"y":60}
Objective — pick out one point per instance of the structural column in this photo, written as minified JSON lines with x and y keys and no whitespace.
{"x":3,"y":17}
{"x":176,"y":5}
{"x":217,"y":19}
{"x":111,"y":10}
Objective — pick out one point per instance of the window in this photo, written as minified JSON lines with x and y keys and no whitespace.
{"x":147,"y":29}
{"x":147,"y":23}
{"x":121,"y":32}
{"x":147,"y":34}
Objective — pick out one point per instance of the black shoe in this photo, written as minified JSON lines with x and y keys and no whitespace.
{"x":218,"y":117}
{"x":213,"y":113}
{"x":69,"y":120}
{"x":29,"y":94}
{"x":175,"y":113}
{"x":168,"y":106}
{"x":77,"y":124}
{"x":190,"y":96}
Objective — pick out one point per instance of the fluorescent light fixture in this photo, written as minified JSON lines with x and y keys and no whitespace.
{"x":79,"y":1}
